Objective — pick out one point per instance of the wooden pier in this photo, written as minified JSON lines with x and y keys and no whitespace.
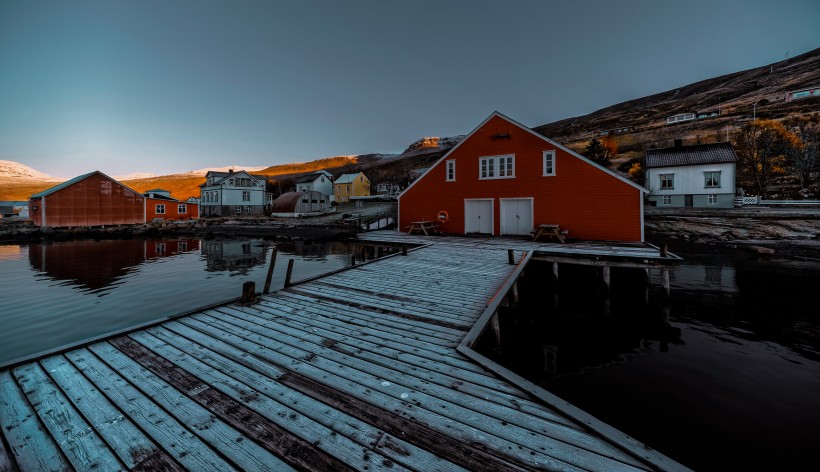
{"x":367,"y":368}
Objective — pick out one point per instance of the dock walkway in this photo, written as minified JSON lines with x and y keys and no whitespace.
{"x":356,"y":370}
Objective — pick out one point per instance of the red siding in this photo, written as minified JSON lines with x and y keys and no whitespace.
{"x":94,"y":201}
{"x":583,"y":198}
{"x":171,"y":210}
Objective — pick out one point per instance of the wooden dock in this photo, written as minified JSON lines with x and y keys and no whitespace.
{"x":362,"y":369}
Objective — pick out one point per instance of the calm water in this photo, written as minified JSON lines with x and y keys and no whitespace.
{"x":52,"y":294}
{"x":728,"y":380}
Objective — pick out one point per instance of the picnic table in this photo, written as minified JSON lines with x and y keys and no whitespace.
{"x":423,"y":227}
{"x":551,"y":231}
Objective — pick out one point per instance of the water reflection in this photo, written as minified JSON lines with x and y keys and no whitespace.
{"x":99,"y":264}
{"x":236,"y":256}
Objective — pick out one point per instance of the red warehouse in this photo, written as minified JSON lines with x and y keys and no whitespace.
{"x":160,"y":205}
{"x":505,"y":179}
{"x":93,"y":199}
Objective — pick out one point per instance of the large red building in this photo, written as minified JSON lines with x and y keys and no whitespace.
{"x":92,"y":199}
{"x":505,"y":179}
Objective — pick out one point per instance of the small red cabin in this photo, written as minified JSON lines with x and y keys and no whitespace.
{"x":160,"y":205}
{"x":92,"y":199}
{"x":505,"y":179}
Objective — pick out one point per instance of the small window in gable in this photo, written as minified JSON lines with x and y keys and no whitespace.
{"x":451,"y":171}
{"x":549,"y":163}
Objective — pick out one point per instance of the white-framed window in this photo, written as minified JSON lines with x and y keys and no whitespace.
{"x":711,"y":179}
{"x":451,"y":171}
{"x":549,"y":163}
{"x":182,"y":246}
{"x":182,"y":208}
{"x":160,"y":210}
{"x":667,"y":181}
{"x":497,"y":167}
{"x":667,"y":199}
{"x":216,"y":196}
{"x":712,"y":199}
{"x":248,"y":210}
{"x":159,"y":248}
{"x":246,"y":196}
{"x":238,"y":210}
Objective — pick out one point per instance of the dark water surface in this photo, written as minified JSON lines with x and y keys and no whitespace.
{"x":728,"y":380}
{"x":53,"y":294}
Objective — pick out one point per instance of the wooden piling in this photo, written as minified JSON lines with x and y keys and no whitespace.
{"x":364,"y":253}
{"x":289,"y":273}
{"x":353,"y":259}
{"x":270,"y":271}
{"x":248,"y":292}
{"x":404,"y":250}
{"x":664,"y":250}
{"x":555,"y":270}
{"x":511,"y":256}
{"x":514,"y":293}
{"x":605,"y":275}
{"x":665,"y":281}
{"x":496,"y":326}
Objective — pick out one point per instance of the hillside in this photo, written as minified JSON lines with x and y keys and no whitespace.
{"x":640,"y":124}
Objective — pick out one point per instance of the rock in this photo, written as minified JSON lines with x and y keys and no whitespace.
{"x":761,"y":250}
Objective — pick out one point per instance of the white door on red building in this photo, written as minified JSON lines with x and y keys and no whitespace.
{"x":478,"y":216}
{"x":516,"y":215}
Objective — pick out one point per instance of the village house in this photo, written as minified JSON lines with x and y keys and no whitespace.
{"x":351,"y":185}
{"x":505,"y":179}
{"x":159,"y":205}
{"x":92,"y":199}
{"x":320,"y":181}
{"x":702,"y":175}
{"x":232,"y":194}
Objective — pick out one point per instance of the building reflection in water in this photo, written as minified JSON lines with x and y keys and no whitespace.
{"x":233,"y":256}
{"x":98,"y":264}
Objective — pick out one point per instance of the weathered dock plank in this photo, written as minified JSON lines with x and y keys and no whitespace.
{"x":32,"y":447}
{"x":166,"y":431}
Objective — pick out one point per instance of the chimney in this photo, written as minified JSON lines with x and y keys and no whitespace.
{"x":230,"y":170}
{"x":678,"y":143}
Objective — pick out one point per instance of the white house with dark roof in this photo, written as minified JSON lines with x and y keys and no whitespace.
{"x":702,"y":175}
{"x":320,"y":181}
{"x":232,"y":194}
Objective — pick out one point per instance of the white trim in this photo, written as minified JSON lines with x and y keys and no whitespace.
{"x":528,"y":130}
{"x":447,"y":170}
{"x":501,"y":217}
{"x":498,"y":163}
{"x":492,"y":213}
{"x":544,"y":163}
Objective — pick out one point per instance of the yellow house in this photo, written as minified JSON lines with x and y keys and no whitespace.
{"x":351,"y":185}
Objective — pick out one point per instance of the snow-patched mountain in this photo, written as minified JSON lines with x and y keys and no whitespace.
{"x":135,"y":176}
{"x":226,"y":169}
{"x":14,"y":171}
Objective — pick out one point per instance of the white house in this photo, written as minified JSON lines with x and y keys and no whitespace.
{"x":702,"y":175}
{"x":232,"y":194}
{"x":321,"y":181}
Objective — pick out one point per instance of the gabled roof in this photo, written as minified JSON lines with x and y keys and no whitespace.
{"x":311,"y":177}
{"x":716,"y":153}
{"x":530,"y":131}
{"x":73,"y":181}
{"x":223,"y":176}
{"x":160,"y":197}
{"x":347,"y":178}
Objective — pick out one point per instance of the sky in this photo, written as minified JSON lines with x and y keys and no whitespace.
{"x":171,"y":86}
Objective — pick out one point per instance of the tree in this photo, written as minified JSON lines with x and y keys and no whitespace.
{"x":610,"y":147}
{"x":804,"y":160}
{"x":762,"y":148}
{"x":596,"y":152}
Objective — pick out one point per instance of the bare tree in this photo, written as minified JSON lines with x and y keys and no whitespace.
{"x":805,"y":158}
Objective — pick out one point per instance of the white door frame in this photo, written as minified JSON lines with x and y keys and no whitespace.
{"x":501,"y":210}
{"x":492,"y":213}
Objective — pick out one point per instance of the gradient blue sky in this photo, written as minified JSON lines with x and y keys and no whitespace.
{"x":172,"y":86}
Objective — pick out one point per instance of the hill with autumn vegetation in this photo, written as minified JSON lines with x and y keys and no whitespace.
{"x":629,"y":128}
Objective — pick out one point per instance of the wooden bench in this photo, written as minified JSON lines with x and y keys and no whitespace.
{"x":551,"y":231}
{"x":426,"y":227}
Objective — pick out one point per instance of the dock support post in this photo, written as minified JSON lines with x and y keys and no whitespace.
{"x":248,"y":292}
{"x":404,"y":250}
{"x":514,"y":294}
{"x":665,"y":281}
{"x":364,"y":253}
{"x":496,"y":326}
{"x":289,"y":273}
{"x":353,"y":259}
{"x":270,"y":270}
{"x":555,"y":270}
{"x":606,"y":278}
{"x":664,"y":250}
{"x":511,"y":256}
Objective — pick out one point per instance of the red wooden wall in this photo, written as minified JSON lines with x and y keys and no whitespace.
{"x":171,"y":210}
{"x":582,"y":197}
